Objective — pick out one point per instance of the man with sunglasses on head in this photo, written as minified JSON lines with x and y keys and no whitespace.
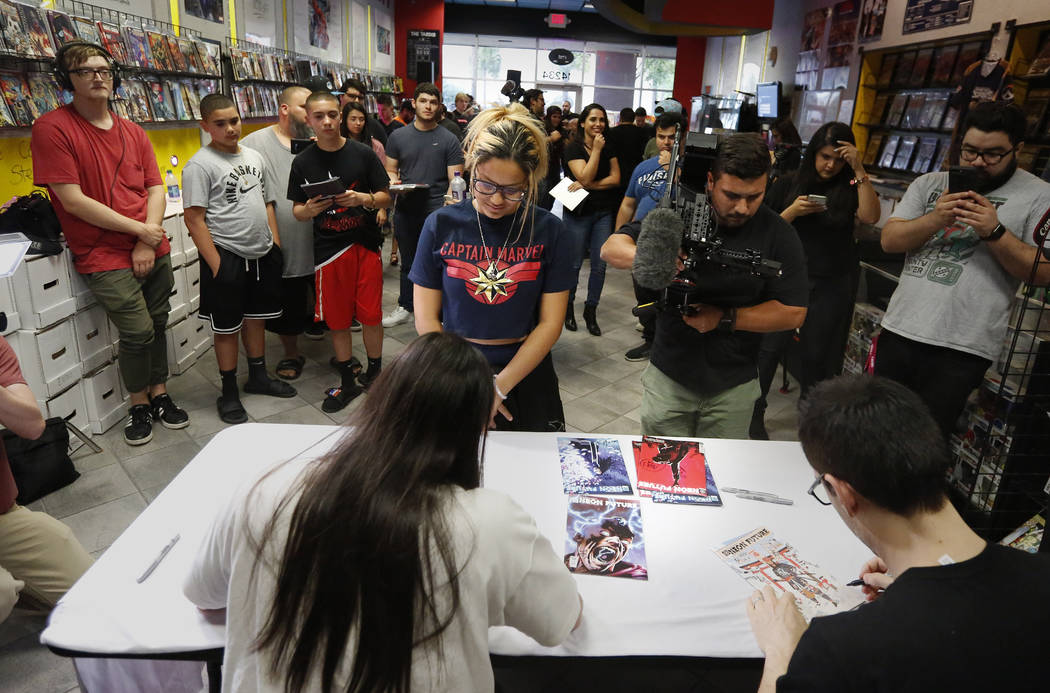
{"x":943,"y":604}
{"x":966,"y":254}
{"x":109,"y":197}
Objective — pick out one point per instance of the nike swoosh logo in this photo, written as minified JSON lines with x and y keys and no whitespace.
{"x":244,"y":189}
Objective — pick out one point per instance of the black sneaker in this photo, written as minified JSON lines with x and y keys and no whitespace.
{"x":168,"y":413}
{"x":139,"y":430}
{"x":355,"y":326}
{"x":314,"y":331}
{"x":639,"y":353}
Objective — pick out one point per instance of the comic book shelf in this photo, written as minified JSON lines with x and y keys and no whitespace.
{"x":903,"y":121}
{"x":164,"y":71}
{"x":257,"y":75}
{"x":1030,"y":65}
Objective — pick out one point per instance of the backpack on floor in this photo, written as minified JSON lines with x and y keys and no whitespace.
{"x":40,"y":466}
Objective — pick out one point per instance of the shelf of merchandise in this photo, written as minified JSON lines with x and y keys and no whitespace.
{"x":1032,"y":94}
{"x":866,"y":123}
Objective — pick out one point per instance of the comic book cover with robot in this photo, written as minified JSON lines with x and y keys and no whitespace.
{"x":604,"y":537}
{"x":762,"y":559}
{"x":592,"y":465}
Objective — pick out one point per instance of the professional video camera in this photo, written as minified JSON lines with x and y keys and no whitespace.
{"x":684,"y":228}
{"x":512,"y":87}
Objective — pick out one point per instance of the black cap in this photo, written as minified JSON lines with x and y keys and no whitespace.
{"x":406,"y":103}
{"x":319,"y":83}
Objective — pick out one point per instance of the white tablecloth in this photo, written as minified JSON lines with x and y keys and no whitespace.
{"x":691,"y":605}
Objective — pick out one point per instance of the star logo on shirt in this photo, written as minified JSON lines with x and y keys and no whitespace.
{"x":491,"y":281}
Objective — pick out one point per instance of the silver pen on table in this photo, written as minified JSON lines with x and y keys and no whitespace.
{"x":158,"y":559}
{"x":767,"y":494}
{"x":766,"y":498}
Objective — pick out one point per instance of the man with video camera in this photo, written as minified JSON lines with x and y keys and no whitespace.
{"x":971,"y":235}
{"x":703,"y":374}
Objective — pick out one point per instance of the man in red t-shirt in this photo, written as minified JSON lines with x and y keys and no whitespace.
{"x":109,"y":197}
{"x":38,"y":554}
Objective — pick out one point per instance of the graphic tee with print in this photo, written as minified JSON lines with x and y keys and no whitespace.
{"x":953,"y":292}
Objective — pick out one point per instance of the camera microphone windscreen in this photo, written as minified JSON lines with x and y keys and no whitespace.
{"x":656,"y":255}
{"x":508,"y":87}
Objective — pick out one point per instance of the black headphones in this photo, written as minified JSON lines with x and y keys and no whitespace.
{"x":62,"y":72}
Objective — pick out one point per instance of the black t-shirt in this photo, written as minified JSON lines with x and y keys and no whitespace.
{"x":630,"y":143}
{"x":555,"y":151}
{"x":337,"y":228}
{"x":976,"y":626}
{"x":716,"y":361}
{"x":376,"y":129}
{"x":827,"y":237}
{"x":598,"y":200}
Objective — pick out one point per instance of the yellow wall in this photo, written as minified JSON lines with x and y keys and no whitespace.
{"x":16,"y":163}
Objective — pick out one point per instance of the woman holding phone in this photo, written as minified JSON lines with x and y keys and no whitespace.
{"x":822,"y":200}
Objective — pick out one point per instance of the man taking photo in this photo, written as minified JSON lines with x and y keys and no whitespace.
{"x":967,"y":252}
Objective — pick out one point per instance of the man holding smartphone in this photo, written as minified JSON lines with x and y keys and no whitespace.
{"x":966,"y":253}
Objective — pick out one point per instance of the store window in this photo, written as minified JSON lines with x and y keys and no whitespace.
{"x":614,"y":76}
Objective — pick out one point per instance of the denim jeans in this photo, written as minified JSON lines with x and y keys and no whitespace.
{"x":589,"y":231}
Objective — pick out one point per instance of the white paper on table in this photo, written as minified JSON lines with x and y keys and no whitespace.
{"x":571,"y":200}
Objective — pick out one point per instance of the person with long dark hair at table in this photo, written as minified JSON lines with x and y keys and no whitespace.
{"x":497,"y":269}
{"x":593,"y":166}
{"x":381,"y":565}
{"x":823,"y":200}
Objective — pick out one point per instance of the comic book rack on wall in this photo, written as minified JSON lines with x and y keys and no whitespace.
{"x":1000,"y":473}
{"x":904,"y":110}
{"x":164,"y":76}
{"x":1030,"y":62}
{"x":258,"y":74}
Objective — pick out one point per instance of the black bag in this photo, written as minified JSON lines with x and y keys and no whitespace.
{"x":40,"y":466}
{"x":34,"y":216}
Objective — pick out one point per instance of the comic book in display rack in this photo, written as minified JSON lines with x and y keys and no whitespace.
{"x":158,"y":48}
{"x":210,"y":54}
{"x":178,"y":60}
{"x":62,"y":29}
{"x":87,"y":30}
{"x":18,"y":98}
{"x":35,"y":26}
{"x":112,"y":42}
{"x":16,"y":40}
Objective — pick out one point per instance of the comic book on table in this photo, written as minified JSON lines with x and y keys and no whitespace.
{"x":592,"y":465}
{"x":762,"y":559}
{"x":34,"y":24}
{"x":604,"y":536}
{"x":674,"y":471}
{"x":112,"y":42}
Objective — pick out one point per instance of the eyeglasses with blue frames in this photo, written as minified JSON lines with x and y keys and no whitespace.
{"x":819,"y":491}
{"x":509,"y":192}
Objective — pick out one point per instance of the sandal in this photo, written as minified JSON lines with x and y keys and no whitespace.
{"x":337,"y":398}
{"x":292,"y":368}
{"x":231,"y":411}
{"x":355,"y":365}
{"x":271,"y":387}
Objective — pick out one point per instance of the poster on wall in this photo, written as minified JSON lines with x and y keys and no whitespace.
{"x":813,"y":30}
{"x":358,"y":34}
{"x":811,"y":58}
{"x":424,"y":49}
{"x":319,"y":17}
{"x":841,"y":36}
{"x":872,"y":16}
{"x":843,"y":23}
{"x":212,"y":10}
{"x":382,"y":40}
{"x":925,"y":15}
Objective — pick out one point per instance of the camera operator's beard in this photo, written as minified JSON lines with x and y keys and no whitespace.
{"x":300,"y":130}
{"x":987,"y":183}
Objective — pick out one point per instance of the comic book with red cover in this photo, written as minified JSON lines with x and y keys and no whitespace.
{"x":112,"y":42}
{"x":674,"y":471}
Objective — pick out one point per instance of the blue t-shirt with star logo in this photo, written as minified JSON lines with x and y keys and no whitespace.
{"x":492,"y":290}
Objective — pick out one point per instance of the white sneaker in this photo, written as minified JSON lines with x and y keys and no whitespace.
{"x":400,"y":315}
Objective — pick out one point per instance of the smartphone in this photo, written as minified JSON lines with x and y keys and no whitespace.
{"x":299,"y":145}
{"x":961,"y":179}
{"x":818,"y":199}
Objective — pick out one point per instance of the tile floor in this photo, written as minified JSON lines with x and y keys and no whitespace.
{"x":601,"y":393}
